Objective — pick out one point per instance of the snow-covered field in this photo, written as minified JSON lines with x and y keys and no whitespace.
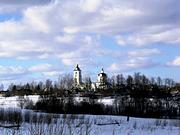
{"x":8,"y":102}
{"x":92,"y":124}
{"x":100,"y":125}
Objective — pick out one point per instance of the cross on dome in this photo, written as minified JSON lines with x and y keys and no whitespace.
{"x":102,"y":71}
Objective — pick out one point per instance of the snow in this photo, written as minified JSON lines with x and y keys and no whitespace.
{"x":135,"y":126}
{"x":103,"y":125}
{"x":106,"y":101}
{"x":8,"y":102}
{"x":109,"y":125}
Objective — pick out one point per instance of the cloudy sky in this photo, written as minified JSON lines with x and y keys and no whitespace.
{"x":42,"y":39}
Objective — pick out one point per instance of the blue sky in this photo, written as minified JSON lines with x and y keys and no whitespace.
{"x":41,"y":39}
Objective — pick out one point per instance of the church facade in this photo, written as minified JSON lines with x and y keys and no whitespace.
{"x":101,"y":83}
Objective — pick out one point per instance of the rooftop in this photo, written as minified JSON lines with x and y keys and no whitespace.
{"x":77,"y":68}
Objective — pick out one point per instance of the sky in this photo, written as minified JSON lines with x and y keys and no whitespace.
{"x":44,"y":39}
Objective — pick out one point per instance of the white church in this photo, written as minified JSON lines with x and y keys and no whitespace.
{"x":102,"y":82}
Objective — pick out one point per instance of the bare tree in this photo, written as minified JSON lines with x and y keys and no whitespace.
{"x":66,"y":82}
{"x":120,"y":80}
{"x":159,"y":81}
{"x":144,"y":80}
{"x":1,"y":87}
{"x":129,"y":80}
{"x":137,"y":78}
{"x":10,"y":87}
{"x":87,"y":81}
{"x":152,"y":81}
{"x":112,"y":81}
{"x":48,"y":83}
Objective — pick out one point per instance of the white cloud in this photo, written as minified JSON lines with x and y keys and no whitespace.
{"x":22,"y":48}
{"x":44,"y":56}
{"x":71,"y":30}
{"x":143,"y":52}
{"x":7,"y":6}
{"x":120,"y":40}
{"x":19,"y":74}
{"x":131,"y":64}
{"x":175,"y":62}
{"x":114,"y":67}
{"x":99,"y":16}
{"x":143,"y":38}
{"x":119,"y":12}
{"x":66,"y":39}
{"x":41,"y":68}
{"x":22,"y":57}
{"x":90,"y":5}
{"x":18,"y":2}
{"x":85,"y":52}
{"x":46,"y":70}
{"x":56,"y":30}
{"x":11,"y":73}
{"x":51,"y":74}
{"x":35,"y":17}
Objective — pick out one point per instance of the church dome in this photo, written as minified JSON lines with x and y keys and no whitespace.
{"x":102,"y":73}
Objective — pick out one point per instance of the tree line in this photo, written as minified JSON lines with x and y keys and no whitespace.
{"x":134,"y":95}
{"x":137,"y":85}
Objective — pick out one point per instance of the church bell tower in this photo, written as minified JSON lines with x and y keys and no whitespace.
{"x":77,"y":76}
